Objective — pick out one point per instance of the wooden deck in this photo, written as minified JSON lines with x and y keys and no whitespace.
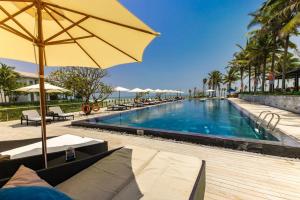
{"x":230,"y":174}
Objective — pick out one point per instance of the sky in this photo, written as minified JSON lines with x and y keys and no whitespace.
{"x":197,"y":36}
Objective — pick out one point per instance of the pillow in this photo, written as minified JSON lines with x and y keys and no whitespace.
{"x":32,"y":193}
{"x":25,"y":177}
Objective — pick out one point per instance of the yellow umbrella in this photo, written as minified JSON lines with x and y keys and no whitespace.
{"x":83,"y":33}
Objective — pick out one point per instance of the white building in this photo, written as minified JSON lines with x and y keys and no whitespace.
{"x":28,"y":79}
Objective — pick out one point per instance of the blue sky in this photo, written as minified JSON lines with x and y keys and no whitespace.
{"x":197,"y":36}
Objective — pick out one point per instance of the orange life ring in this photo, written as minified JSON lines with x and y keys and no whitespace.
{"x":86,"y":108}
{"x":96,"y":107}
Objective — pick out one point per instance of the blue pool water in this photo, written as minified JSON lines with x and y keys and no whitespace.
{"x":213,"y":117}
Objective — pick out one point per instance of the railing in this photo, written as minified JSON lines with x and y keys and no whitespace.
{"x":260,"y":120}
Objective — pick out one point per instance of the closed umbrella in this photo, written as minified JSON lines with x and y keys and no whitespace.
{"x":70,"y":33}
{"x":120,"y":89}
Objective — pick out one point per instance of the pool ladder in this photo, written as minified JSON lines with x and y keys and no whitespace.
{"x":261,"y":118}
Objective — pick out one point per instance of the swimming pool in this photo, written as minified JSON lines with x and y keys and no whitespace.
{"x":210,"y":117}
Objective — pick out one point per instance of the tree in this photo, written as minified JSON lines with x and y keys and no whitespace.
{"x":230,"y":77}
{"x":215,"y":79}
{"x":84,"y":82}
{"x":204,"y":82}
{"x":8,"y":81}
{"x":190,"y":93}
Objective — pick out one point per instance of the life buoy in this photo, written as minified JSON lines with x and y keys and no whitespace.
{"x":96,"y":107}
{"x":86,"y":108}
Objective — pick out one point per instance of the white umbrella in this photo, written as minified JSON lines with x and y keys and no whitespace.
{"x":48,"y":89}
{"x":137,"y":90}
{"x":70,"y":33}
{"x":149,"y":90}
{"x":210,"y":90}
{"x":120,"y":89}
{"x":158,"y":91}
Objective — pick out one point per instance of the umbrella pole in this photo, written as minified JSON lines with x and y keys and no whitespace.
{"x":119,"y":97}
{"x":40,"y":44}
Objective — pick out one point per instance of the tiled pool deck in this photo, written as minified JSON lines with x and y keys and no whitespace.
{"x":289,"y":123}
{"x":231,"y":174}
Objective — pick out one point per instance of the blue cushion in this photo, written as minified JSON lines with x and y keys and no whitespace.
{"x":32,"y":193}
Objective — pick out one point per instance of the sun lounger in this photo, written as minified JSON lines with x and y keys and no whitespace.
{"x":139,"y":104}
{"x":32,"y":116}
{"x":139,"y":173}
{"x":59,"y":170}
{"x":57,"y":112}
{"x":54,"y":144}
{"x":116,"y":108}
{"x":128,"y":106}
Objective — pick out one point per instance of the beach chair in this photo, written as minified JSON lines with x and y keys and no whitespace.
{"x":57,"y":112}
{"x":32,"y":116}
{"x":116,"y":108}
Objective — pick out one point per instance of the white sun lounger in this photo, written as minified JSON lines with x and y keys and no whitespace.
{"x":55,"y":144}
{"x":136,"y":173}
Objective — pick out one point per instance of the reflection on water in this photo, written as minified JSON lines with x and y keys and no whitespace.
{"x":216,"y":117}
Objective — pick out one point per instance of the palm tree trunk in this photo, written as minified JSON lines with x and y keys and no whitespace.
{"x":284,"y":66}
{"x":249,"y":78}
{"x":264,"y":74}
{"x":255,"y":79}
{"x":271,"y":86}
{"x":242,"y":80}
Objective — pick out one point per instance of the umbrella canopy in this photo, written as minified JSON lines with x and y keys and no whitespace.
{"x":149,"y":90}
{"x":48,"y":88}
{"x":96,"y":33}
{"x":70,"y":33}
{"x":120,"y":89}
{"x":159,"y":91}
{"x":210,"y":90}
{"x":137,"y":90}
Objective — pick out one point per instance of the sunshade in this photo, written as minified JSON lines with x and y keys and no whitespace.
{"x":48,"y":88}
{"x":149,"y":90}
{"x":158,"y":91}
{"x":70,"y":33}
{"x":137,"y":90}
{"x":120,"y":89}
{"x":210,"y":90}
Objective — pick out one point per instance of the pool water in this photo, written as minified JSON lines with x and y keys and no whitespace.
{"x":210,"y":117}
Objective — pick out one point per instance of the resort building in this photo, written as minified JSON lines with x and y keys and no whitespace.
{"x":27,"y":78}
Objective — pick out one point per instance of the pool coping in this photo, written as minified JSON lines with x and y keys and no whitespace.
{"x":275,"y":148}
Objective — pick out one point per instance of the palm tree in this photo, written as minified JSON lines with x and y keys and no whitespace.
{"x":230,"y":77}
{"x":286,"y":15}
{"x":8,"y":80}
{"x":204,"y":81}
{"x":215,"y":79}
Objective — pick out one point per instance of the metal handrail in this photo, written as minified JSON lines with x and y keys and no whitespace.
{"x":265,"y":111}
{"x":270,"y":113}
{"x":278,"y":119}
{"x":269,"y":123}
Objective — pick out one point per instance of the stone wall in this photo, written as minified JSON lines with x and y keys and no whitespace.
{"x":289,"y":102}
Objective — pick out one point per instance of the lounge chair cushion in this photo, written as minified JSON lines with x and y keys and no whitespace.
{"x":32,"y":192}
{"x":108,"y":176}
{"x":136,"y":173}
{"x":25,"y":177}
{"x":167,"y":176}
